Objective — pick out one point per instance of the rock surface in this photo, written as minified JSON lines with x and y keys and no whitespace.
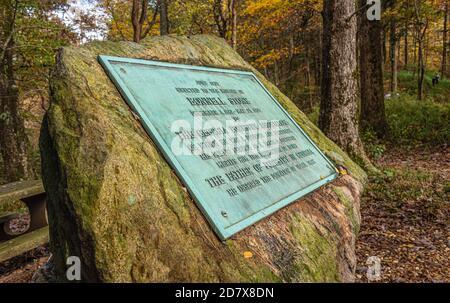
{"x":116,"y":203}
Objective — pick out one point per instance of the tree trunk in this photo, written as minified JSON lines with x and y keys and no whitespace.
{"x":309,"y":103}
{"x":139,"y":11}
{"x":406,"y":47}
{"x":14,"y":141}
{"x":415,"y":51}
{"x":135,"y":21}
{"x":318,"y":70}
{"x":392,"y":55}
{"x":164,"y":25}
{"x":421,"y":34}
{"x":371,"y":75}
{"x":338,"y":109}
{"x":421,"y":63}
{"x":276,"y":73}
{"x":384,"y":46}
{"x":318,"y":61}
{"x":233,"y":5}
{"x":444,"y":42}
{"x":421,"y":70}
{"x":219,"y":18}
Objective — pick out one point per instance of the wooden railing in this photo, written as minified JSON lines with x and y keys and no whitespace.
{"x":13,"y":243}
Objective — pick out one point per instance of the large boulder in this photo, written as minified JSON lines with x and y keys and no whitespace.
{"x":115,"y":202}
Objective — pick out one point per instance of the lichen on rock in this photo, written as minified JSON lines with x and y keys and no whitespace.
{"x":115,"y":202}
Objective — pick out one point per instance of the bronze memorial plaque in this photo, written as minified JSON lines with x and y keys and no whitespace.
{"x":239,"y":153}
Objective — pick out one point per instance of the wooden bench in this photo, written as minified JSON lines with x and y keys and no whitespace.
{"x":32,"y":193}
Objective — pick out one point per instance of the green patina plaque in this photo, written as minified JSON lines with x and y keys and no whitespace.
{"x":238,"y":152}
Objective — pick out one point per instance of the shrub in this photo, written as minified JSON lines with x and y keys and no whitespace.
{"x":374,"y":148}
{"x":417,"y":122}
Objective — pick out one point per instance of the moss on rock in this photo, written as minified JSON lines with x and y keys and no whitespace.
{"x":116,"y":203}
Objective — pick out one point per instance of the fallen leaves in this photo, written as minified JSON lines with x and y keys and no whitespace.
{"x":406,"y":218}
{"x":20,"y":269}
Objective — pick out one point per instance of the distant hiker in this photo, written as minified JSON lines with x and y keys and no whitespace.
{"x":436,"y":79}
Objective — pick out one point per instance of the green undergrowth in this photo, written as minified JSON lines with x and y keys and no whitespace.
{"x":420,"y":193}
{"x":407,"y":82}
{"x":413,"y":122}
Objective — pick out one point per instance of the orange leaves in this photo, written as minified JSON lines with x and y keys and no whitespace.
{"x":267,"y":28}
{"x":270,"y":57}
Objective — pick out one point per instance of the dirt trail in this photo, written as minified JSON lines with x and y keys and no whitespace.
{"x":406,"y":218}
{"x":21,"y":268}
